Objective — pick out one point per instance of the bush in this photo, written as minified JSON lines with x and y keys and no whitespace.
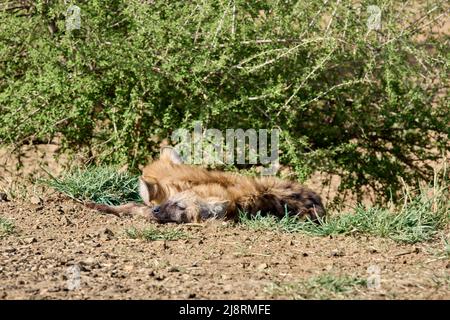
{"x":369,"y":106}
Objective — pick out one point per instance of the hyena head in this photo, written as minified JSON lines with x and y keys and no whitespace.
{"x":186,"y":207}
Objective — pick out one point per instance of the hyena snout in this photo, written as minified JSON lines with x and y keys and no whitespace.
{"x":160,"y":215}
{"x":170,"y":212}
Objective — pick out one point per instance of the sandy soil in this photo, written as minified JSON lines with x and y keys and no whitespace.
{"x":215,"y":260}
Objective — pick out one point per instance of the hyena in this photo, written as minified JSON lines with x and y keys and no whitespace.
{"x":176,"y":192}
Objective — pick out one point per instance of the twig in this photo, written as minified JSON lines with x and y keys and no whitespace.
{"x":333,"y":88}
{"x":332,"y":16}
{"x":283,"y":54}
{"x":304,"y":81}
{"x":416,"y":26}
{"x":416,"y":250}
{"x":233,"y":23}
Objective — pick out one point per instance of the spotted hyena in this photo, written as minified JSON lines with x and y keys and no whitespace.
{"x":176,"y":192}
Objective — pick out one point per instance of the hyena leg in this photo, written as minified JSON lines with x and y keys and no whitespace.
{"x":130,"y":208}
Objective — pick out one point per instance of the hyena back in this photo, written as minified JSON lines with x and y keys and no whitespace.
{"x":182,"y":193}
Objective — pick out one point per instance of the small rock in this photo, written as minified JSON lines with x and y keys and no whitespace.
{"x":305,"y":254}
{"x":3,"y":197}
{"x":262,"y":266}
{"x":373,"y":250}
{"x":227,"y":288}
{"x":191,"y":295}
{"x":106,"y":234}
{"x":128,"y":268}
{"x":88,"y":261}
{"x":173,"y":269}
{"x":448,"y":265}
{"x":33,"y":291}
{"x":336,"y":253}
{"x":35,"y":200}
{"x":95,"y":244}
{"x":29,"y":240}
{"x":9,"y":249}
{"x":66,"y":221}
{"x":160,"y":277}
{"x":161,"y":244}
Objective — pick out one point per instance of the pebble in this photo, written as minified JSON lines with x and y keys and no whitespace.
{"x":161,"y":244}
{"x":30,"y":240}
{"x":262,"y":266}
{"x":128,"y":268}
{"x":9,"y":249}
{"x":337,"y":253}
{"x":3,"y":197}
{"x":66,"y":221}
{"x":373,"y":250}
{"x":35,"y":200}
{"x":106,"y":234}
{"x":227,"y":288}
{"x":88,"y":261}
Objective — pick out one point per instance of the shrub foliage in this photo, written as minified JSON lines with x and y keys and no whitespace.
{"x":369,"y":105}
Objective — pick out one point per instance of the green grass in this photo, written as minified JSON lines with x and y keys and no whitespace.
{"x":154,"y":233}
{"x":325,"y":286}
{"x":421,"y":216}
{"x":98,"y":184}
{"x":6,"y":227}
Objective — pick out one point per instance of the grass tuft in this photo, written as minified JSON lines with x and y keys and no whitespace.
{"x":154,"y":233}
{"x":98,"y":184}
{"x":325,"y":286}
{"x":6,"y":227}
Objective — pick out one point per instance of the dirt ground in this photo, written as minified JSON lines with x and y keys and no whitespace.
{"x":62,"y":250}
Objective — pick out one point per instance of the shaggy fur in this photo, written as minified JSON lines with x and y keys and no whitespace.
{"x":182,"y":193}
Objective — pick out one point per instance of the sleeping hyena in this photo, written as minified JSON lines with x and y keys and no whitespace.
{"x":176,"y":192}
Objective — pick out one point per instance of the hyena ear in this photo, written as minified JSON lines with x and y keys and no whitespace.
{"x":169,"y":153}
{"x":146,"y":189}
{"x":214,"y":209}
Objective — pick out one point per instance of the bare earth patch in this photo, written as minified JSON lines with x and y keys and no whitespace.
{"x":214,"y":261}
